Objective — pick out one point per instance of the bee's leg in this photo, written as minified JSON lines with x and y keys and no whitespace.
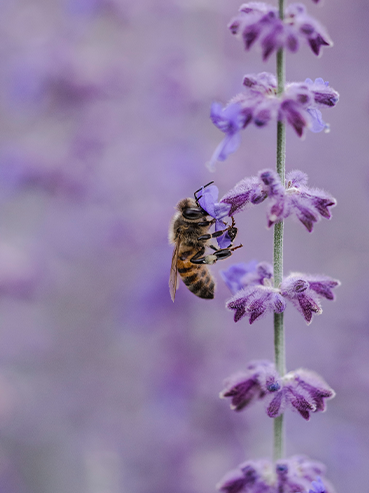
{"x":213,"y":257}
{"x":206,"y":223}
{"x":198,"y":257}
{"x":219,"y":233}
{"x":225,"y":252}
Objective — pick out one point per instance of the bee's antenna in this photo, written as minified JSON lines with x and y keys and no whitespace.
{"x":197,"y":191}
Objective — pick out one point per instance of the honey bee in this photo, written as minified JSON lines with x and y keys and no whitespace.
{"x":189,"y":233}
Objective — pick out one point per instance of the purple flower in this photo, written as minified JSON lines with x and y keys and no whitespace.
{"x":251,"y":476}
{"x":232,"y":482}
{"x":254,"y":294}
{"x":247,"y":192}
{"x":244,"y":388}
{"x":257,"y":295}
{"x":323,"y":94}
{"x":298,"y":106}
{"x":207,"y":198}
{"x":305,"y":292}
{"x":256,"y":301}
{"x":303,"y":391}
{"x":307,"y":204}
{"x":294,"y":474}
{"x":259,"y":22}
{"x":229,"y":120}
{"x":317,"y":486}
{"x":234,"y":275}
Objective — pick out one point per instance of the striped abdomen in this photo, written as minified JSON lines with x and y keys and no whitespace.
{"x":197,"y":278}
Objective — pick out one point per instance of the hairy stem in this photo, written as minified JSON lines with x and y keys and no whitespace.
{"x":279,"y":343}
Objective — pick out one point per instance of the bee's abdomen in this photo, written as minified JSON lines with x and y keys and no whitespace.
{"x":197,"y":278}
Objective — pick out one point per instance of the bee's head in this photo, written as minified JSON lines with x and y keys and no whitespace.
{"x":190,"y":210}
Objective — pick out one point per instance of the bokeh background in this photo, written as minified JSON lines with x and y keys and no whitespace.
{"x":106,"y":386}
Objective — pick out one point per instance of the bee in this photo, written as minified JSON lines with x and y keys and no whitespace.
{"x":189,"y":233}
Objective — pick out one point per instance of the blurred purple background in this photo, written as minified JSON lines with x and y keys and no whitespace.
{"x":106,"y":386}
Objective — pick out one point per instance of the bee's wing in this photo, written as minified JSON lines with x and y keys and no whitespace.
{"x":173,"y":278}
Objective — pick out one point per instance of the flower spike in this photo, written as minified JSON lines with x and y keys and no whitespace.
{"x":260,"y":22}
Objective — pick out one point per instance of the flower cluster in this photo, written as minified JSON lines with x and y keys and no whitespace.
{"x":254,"y":294}
{"x":259,"y":104}
{"x":295,"y":474}
{"x":295,"y":198}
{"x":259,"y":22}
{"x":300,"y":390}
{"x":260,"y":379}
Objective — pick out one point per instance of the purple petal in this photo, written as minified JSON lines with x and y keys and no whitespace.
{"x":276,"y":405}
{"x":243,"y":389}
{"x":233,"y":482}
{"x":308,"y":306}
{"x":229,"y":144}
{"x":224,"y":241}
{"x":315,"y":386}
{"x":234,"y":274}
{"x":299,"y":402}
{"x":317,"y":124}
{"x":248,"y":191}
{"x":304,"y":212}
{"x":323,"y":285}
{"x":208,"y":198}
{"x":250,"y":35}
{"x":317,"y":486}
{"x":226,"y":119}
{"x":221,"y":210}
{"x":294,"y":115}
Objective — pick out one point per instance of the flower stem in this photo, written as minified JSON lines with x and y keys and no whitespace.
{"x":279,"y":343}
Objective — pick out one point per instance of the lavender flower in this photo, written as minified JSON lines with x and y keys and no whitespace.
{"x":301,"y":390}
{"x":318,"y":486}
{"x":207,"y":198}
{"x":256,"y":301}
{"x":237,"y":276}
{"x":247,"y":192}
{"x":244,"y":388}
{"x":294,"y":474}
{"x":233,"y":482}
{"x":260,"y":22}
{"x":298,"y":106}
{"x":255,"y":295}
{"x":250,"y":476}
{"x":305,"y":292}
{"x":229,"y":120}
{"x":307,"y":204}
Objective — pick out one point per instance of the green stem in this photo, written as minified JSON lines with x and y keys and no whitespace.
{"x":279,"y":342}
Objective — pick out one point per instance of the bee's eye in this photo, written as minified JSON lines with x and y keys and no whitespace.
{"x":192,"y":213}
